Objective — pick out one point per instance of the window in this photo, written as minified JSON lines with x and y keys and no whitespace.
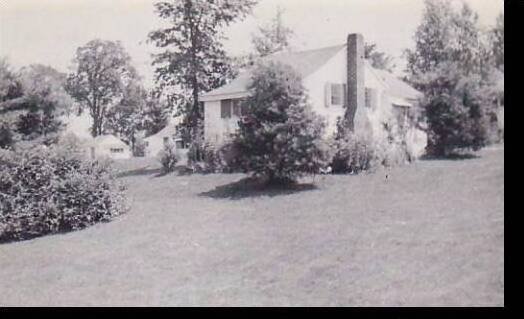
{"x":401,"y":112}
{"x":337,"y":94}
{"x":225,"y":109}
{"x":166,"y":139}
{"x":116,"y":150}
{"x":231,"y":107}
{"x":179,"y":144}
{"x":237,"y":104}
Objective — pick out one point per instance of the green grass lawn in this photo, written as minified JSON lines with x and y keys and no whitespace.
{"x":432,"y":234}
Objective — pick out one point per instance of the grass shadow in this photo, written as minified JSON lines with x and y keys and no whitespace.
{"x":450,"y":157}
{"x":253,"y":187}
{"x":139,"y":172}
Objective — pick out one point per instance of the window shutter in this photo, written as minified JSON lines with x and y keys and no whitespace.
{"x":345,"y":94}
{"x":327,"y":94}
{"x":225,"y":108}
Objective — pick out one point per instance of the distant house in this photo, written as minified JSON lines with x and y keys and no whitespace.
{"x":107,"y":146}
{"x":335,"y":78}
{"x":169,"y":134}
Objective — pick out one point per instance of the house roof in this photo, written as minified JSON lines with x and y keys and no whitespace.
{"x":304,"y":62}
{"x":307,"y":62}
{"x":169,"y":130}
{"x":108,"y":140}
{"x":396,"y":87}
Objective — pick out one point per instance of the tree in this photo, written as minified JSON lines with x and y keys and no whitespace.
{"x":102,"y":72}
{"x":194,"y":60}
{"x":280,"y":138}
{"x":156,"y":114}
{"x":447,"y":65}
{"x":432,"y":38}
{"x":455,"y":111}
{"x":45,"y":100}
{"x":497,"y":36}
{"x":379,"y":60}
{"x":10,"y":86}
{"x":272,"y":38}
{"x":126,"y":118}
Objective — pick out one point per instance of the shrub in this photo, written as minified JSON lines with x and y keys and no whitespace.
{"x":6,"y":135}
{"x":206,"y":158}
{"x":48,"y":190}
{"x":168,"y":157}
{"x":280,"y":138}
{"x":354,"y":153}
{"x":456,"y":106}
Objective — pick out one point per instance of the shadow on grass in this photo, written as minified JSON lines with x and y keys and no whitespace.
{"x":253,"y":187}
{"x":139,"y":172}
{"x":450,"y":157}
{"x":155,"y":172}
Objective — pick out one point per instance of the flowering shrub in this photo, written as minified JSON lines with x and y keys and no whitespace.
{"x":49,"y":190}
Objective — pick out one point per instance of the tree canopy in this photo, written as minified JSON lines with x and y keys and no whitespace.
{"x":193,"y":59}
{"x":102,"y":72}
{"x":273,"y":37}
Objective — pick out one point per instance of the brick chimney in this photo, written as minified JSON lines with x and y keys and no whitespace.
{"x":355,"y":76}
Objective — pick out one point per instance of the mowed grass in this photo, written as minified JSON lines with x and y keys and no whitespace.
{"x":431,"y":234}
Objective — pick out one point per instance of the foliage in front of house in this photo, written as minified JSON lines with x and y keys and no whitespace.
{"x":50,"y":190}
{"x":458,"y":67}
{"x":280,"y":138}
{"x":355,"y":152}
{"x":168,"y":157}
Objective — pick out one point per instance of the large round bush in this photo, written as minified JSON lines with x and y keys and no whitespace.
{"x":45,"y":190}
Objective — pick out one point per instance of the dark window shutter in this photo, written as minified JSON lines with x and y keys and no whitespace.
{"x":225,"y":109}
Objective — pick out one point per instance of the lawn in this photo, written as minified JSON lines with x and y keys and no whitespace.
{"x":431,"y":234}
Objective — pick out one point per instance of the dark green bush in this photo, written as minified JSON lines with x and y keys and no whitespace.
{"x":168,"y":157}
{"x":207,"y":158}
{"x":49,"y":190}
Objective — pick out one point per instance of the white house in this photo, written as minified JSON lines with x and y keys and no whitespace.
{"x":335,"y":77}
{"x":108,"y":146}
{"x":169,"y":134}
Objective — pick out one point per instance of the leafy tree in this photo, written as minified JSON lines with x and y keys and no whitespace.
{"x":432,"y":38}
{"x":102,"y":71}
{"x":379,"y":60}
{"x":156,"y":114}
{"x":193,"y":58}
{"x":10,"y":86}
{"x":280,"y":138}
{"x":272,"y":38}
{"x":447,"y":65}
{"x":497,"y":36}
{"x":126,"y":119}
{"x":455,"y":111}
{"x":45,"y":100}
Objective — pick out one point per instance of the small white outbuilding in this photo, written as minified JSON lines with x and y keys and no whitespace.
{"x":108,"y":146}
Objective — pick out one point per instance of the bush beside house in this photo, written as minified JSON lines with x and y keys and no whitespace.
{"x":280,"y":137}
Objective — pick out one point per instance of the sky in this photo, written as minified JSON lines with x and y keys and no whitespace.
{"x":49,"y":31}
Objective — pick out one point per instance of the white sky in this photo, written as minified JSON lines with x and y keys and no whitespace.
{"x":49,"y":31}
